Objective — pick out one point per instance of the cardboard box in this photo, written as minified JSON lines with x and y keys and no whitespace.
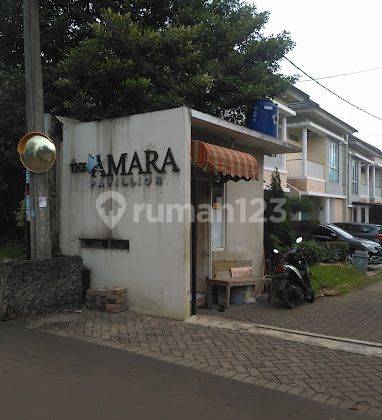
{"x":115,"y":308}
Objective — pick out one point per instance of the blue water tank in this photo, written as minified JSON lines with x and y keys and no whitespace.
{"x":264,"y":117}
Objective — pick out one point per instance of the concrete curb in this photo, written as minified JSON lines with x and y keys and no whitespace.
{"x":365,"y":348}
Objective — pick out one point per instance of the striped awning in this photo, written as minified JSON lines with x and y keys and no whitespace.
{"x":229,"y":163}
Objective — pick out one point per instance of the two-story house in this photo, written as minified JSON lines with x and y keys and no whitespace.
{"x":365,"y":182}
{"x":340,"y":173}
{"x":319,"y":171}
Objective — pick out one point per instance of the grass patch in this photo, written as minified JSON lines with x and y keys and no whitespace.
{"x":342,"y":278}
{"x":11,"y":250}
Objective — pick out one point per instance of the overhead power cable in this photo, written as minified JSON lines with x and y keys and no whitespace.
{"x":332,"y":92}
{"x":341,"y":74}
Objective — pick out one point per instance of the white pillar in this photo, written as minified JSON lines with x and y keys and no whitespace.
{"x":284,"y":133}
{"x":372,"y":195}
{"x":284,"y":136}
{"x":367,"y":214}
{"x":367,"y":180}
{"x":304,"y":141}
{"x":327,"y":210}
{"x":359,"y":177}
{"x":359,"y":214}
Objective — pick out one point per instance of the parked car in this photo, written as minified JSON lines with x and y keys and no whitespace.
{"x":363,"y":230}
{"x":330,"y":233}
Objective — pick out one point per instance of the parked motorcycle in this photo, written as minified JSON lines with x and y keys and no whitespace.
{"x":291,"y":278}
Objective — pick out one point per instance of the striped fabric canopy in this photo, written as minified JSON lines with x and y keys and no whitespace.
{"x":230,"y":163}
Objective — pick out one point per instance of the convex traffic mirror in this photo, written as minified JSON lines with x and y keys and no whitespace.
{"x":37,"y":152}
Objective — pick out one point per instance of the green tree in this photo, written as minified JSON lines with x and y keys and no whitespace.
{"x":274,"y":197}
{"x":108,"y":58}
{"x":298,"y":204}
{"x":278,"y":230}
{"x":212,"y":58}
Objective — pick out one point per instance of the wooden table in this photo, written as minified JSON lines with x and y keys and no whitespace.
{"x":228,"y":283}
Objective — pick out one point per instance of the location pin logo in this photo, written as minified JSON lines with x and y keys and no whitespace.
{"x":111,"y":205}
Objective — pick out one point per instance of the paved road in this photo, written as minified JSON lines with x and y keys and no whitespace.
{"x":334,"y":377}
{"x":357,"y":315}
{"x":45,"y":377}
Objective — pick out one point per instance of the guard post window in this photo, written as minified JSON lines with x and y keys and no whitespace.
{"x":217,"y":217}
{"x":334,"y":158}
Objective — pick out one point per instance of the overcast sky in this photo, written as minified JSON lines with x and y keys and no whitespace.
{"x":336,"y":36}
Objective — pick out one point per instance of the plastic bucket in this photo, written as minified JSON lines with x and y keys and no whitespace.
{"x":238,"y":295}
{"x":360,"y":260}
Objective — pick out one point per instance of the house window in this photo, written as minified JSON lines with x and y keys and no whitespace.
{"x":354,"y":172}
{"x":218,"y":218}
{"x":334,"y":161}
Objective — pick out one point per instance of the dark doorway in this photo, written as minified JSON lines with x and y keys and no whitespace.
{"x":200,"y":236}
{"x":375,"y":215}
{"x":207,"y":230}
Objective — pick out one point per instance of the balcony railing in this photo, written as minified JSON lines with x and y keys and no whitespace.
{"x":271,"y":163}
{"x":315,"y":170}
{"x":363,"y":190}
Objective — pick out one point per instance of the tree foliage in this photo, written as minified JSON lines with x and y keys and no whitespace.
{"x":109,"y":58}
{"x":278,"y":231}
{"x":297,"y":204}
{"x":212,"y":58}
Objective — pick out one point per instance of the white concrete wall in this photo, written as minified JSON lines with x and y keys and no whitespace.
{"x":156,"y":270}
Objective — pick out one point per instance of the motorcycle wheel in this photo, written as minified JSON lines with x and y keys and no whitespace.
{"x":311,"y":297}
{"x":289,"y":299}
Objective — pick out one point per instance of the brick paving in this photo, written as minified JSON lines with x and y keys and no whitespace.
{"x":357,"y":315}
{"x":339,"y":378}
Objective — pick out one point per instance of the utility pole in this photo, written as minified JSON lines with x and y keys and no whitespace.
{"x":39,"y":205}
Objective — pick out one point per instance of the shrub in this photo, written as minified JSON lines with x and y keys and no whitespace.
{"x":285,"y":233}
{"x":327,"y":252}
{"x":304,"y":228}
{"x":282,"y":240}
{"x":296,"y":204}
{"x":314,"y":252}
{"x":338,"y":251}
{"x":11,"y":250}
{"x":277,"y":243}
{"x":331,"y":255}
